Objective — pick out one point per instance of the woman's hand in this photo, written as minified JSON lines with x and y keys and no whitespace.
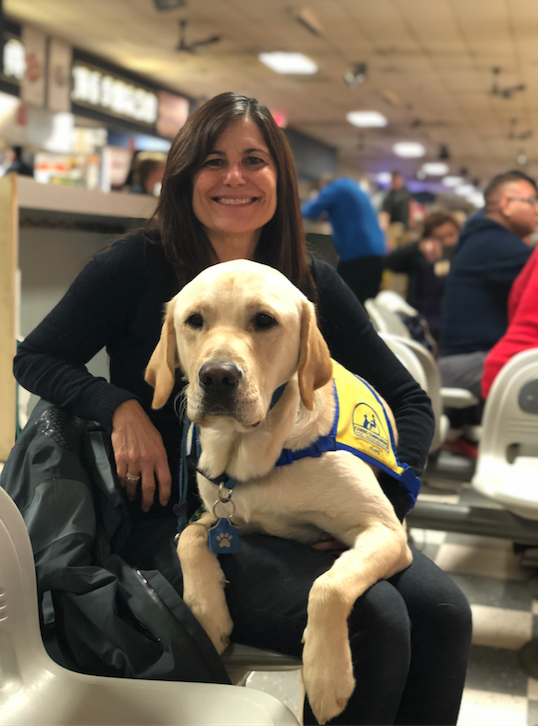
{"x":139,"y":452}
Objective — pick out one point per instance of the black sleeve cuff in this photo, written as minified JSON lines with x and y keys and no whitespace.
{"x":396,"y":493}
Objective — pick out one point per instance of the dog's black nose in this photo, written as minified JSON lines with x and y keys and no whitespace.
{"x":219,"y":378}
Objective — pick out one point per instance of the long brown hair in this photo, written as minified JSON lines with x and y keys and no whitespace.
{"x":282,"y":241}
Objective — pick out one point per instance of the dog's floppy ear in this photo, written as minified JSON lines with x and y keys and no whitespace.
{"x":162,"y":365}
{"x":315,"y":365}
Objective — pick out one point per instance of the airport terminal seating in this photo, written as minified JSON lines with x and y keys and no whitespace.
{"x":507,"y":464}
{"x":383,"y":312}
{"x":385,"y":320}
{"x":36,"y":690}
{"x":429,"y":380}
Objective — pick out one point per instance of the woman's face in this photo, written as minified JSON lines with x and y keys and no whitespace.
{"x":234,"y":193}
{"x":447,"y":233}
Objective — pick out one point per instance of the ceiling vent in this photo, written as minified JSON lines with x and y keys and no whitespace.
{"x":308,"y":20}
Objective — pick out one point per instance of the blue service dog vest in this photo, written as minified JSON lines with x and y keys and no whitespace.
{"x":362,"y":427}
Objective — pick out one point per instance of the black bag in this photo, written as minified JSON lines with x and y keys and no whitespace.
{"x":109,"y":618}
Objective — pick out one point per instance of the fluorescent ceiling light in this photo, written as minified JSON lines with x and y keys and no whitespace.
{"x":476,"y":199}
{"x":384,"y":177}
{"x":367,"y":119}
{"x":435,"y":168}
{"x":453,"y":181}
{"x":409,"y":149}
{"x":464,"y":190}
{"x":288,"y":62}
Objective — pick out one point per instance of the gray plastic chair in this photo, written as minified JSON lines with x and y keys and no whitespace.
{"x":507,"y":464}
{"x":36,"y":690}
{"x":385,"y":320}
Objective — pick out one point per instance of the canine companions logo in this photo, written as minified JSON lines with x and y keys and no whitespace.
{"x":368,"y":426}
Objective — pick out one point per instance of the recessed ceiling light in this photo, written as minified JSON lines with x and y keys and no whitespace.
{"x":464,"y":190}
{"x":435,"y":168}
{"x":409,"y":149}
{"x":367,"y":119}
{"x":476,"y":199}
{"x":288,"y":62}
{"x":453,"y":181}
{"x":384,"y":177}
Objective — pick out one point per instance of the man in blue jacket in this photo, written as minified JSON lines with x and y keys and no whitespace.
{"x":489,"y":256}
{"x":357,"y":236}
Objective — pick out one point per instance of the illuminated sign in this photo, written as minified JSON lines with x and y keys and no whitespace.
{"x":107,"y":93}
{"x":14,"y":59}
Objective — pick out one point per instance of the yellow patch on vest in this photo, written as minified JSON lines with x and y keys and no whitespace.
{"x":363,"y":424}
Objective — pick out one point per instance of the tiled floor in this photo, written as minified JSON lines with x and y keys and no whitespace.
{"x":505,"y":615}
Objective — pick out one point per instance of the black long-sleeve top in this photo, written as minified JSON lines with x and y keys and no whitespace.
{"x":425,"y":287}
{"x":117,"y":302}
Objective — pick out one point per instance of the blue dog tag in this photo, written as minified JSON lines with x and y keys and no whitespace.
{"x":223,"y":538}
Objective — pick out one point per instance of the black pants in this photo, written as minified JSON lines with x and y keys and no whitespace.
{"x":410,"y":635}
{"x":362,"y":275}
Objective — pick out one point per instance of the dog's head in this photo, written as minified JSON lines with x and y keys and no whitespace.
{"x":238,"y":331}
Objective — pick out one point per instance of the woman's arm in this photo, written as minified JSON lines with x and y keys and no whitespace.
{"x":99,"y":310}
{"x":51,"y":362}
{"x":354,"y":343}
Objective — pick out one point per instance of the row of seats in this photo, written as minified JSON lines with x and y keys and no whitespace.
{"x":507,"y":464}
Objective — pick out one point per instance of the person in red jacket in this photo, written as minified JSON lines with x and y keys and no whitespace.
{"x":522,"y":331}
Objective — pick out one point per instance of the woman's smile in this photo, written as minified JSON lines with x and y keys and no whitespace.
{"x":235,"y":200}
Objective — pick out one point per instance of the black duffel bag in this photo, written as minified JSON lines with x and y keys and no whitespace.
{"x":99,"y":614}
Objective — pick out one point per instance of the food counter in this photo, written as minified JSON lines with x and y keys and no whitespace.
{"x":47,"y":234}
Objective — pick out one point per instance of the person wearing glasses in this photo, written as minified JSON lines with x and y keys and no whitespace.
{"x":490,"y":255}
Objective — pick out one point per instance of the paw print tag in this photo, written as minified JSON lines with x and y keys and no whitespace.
{"x":223,"y":537}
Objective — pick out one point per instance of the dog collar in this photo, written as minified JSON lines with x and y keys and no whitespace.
{"x":190,"y":455}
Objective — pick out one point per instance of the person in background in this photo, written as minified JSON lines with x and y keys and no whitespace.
{"x":230,"y":192}
{"x":147,"y":178}
{"x":396,"y":205}
{"x":357,"y":236}
{"x":16,"y":163}
{"x":427,"y":264}
{"x":522,"y":331}
{"x":488,"y":258}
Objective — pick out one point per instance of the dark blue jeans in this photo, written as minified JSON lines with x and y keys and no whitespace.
{"x":410,"y":635}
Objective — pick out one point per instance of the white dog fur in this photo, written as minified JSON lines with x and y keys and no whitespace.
{"x":216,"y":317}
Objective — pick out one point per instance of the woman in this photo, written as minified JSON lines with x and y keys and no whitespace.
{"x":427,"y":263}
{"x":229,"y":191}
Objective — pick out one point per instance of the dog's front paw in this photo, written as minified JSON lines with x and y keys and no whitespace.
{"x":216,"y":622}
{"x":328,"y":676}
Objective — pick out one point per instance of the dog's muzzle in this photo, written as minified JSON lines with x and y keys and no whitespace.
{"x":219,"y":381}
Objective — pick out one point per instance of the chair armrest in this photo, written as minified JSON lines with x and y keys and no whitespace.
{"x":458,"y":398}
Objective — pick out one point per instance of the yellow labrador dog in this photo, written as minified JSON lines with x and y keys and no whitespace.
{"x":238,"y":332}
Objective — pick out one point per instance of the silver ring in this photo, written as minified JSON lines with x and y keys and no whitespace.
{"x":132,"y":479}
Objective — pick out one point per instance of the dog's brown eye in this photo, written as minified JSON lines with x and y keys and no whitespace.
{"x":195,"y":321}
{"x":262,"y":320}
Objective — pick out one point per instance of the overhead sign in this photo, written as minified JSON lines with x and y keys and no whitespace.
{"x":172,"y":113}
{"x":59,"y":77}
{"x":33,"y":81}
{"x":112,"y":95}
{"x":14,"y":65}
